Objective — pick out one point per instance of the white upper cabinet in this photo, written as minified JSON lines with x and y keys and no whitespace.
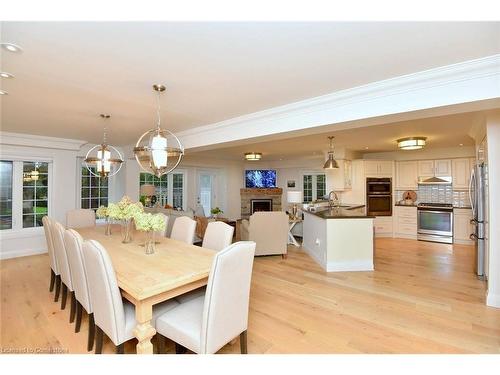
{"x":461,"y":173}
{"x":378,"y":168}
{"x":341,"y":177}
{"x":431,"y":168}
{"x":406,"y":175}
{"x":442,"y":168}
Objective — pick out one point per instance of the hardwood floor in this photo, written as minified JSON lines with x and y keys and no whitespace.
{"x":422,"y":298}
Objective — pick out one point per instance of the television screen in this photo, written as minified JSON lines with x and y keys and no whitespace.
{"x":261,"y":178}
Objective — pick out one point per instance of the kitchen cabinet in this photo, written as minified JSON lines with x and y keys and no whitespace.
{"x":342,"y":177}
{"x":405,"y":222}
{"x":462,"y":228}
{"x":437,"y":168}
{"x":383,"y":226}
{"x":461,"y":173}
{"x":406,"y":175}
{"x":378,"y":168}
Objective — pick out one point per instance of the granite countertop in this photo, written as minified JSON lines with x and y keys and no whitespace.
{"x":343,"y":212}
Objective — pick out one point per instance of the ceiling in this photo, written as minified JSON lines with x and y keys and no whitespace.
{"x":441,"y":132}
{"x":70,"y":72}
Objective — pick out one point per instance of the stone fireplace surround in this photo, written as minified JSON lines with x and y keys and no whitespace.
{"x":248,"y":194}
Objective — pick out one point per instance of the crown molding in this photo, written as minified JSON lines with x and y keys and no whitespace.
{"x":31,"y":140}
{"x":469,"y":81}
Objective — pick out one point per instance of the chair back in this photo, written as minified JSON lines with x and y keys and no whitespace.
{"x":270,"y":231}
{"x":47,"y":228}
{"x":218,"y":236}
{"x":80,"y":218}
{"x":73,"y":243}
{"x":225,"y":311}
{"x":61,"y":254}
{"x":105,"y":295}
{"x":183,"y":229}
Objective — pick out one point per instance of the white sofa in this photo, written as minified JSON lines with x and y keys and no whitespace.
{"x":269,"y":230}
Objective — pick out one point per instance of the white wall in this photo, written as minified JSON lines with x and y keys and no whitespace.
{"x":493,"y":136}
{"x":425,"y":153}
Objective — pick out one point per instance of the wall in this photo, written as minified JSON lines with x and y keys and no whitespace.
{"x":423,"y":154}
{"x":493,"y":136}
{"x":63,"y":187}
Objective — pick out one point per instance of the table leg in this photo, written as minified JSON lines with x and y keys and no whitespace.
{"x":291,"y":238}
{"x":144,"y":331}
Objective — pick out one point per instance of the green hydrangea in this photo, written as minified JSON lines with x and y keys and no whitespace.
{"x":102,"y":212}
{"x":149,"y":222}
{"x":125,"y":209}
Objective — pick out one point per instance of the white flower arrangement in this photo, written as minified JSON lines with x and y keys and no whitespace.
{"x":149,"y":222}
{"x":125,"y":209}
{"x":102,"y":212}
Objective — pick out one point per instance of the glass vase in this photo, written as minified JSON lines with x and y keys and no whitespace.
{"x":126,"y":231}
{"x":107,"y":230}
{"x":149,"y":245}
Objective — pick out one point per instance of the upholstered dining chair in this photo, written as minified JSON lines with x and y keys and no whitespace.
{"x":55,"y":277}
{"x":183,"y":229}
{"x":218,"y":236}
{"x":64,"y":268}
{"x":205,"y":324}
{"x":113,"y":316}
{"x":74,"y":248}
{"x":80,"y":218}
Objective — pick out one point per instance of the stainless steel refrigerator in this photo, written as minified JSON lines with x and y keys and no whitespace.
{"x":477,"y":193}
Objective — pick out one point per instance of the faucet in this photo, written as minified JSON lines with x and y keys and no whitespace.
{"x":335,"y":201}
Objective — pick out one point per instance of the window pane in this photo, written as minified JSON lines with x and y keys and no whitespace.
{"x":35,"y":193}
{"x":320,"y":186}
{"x":177,"y":182}
{"x":307,"y":190}
{"x":85,"y":203}
{"x":5,"y":194}
{"x":94,"y":190}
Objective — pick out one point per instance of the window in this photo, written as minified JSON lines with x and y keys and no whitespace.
{"x":314,"y":186}
{"x":6,"y":168}
{"x":24,"y":193}
{"x":169,"y":188}
{"x":35,"y":193}
{"x":94,"y":192}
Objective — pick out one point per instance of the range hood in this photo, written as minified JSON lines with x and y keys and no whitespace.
{"x":434,"y":180}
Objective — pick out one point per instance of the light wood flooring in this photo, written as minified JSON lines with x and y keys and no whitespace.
{"x":422,"y":298}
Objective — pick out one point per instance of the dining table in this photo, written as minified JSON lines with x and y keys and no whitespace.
{"x":145,"y":280}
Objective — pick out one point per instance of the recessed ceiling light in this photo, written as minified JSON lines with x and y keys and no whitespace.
{"x":461,"y":144}
{"x":2,"y":92}
{"x":11,"y":47}
{"x":366,"y":148}
{"x":6,"y":75}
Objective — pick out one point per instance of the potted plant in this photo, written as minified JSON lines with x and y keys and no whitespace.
{"x":216,"y":212}
{"x":149,"y":223}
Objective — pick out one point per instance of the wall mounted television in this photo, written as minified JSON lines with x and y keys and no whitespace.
{"x":260,"y":178}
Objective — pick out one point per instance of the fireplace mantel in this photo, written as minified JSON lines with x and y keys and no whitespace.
{"x":258,"y":193}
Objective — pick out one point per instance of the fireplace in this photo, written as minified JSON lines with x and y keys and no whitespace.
{"x":261,"y":205}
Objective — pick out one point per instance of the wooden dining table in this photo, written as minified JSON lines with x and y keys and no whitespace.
{"x":145,"y":280}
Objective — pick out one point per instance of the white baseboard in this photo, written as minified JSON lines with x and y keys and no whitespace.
{"x":21,"y":253}
{"x":314,"y":256}
{"x":360,"y":265}
{"x":493,"y":300}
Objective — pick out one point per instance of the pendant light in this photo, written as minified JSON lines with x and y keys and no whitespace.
{"x":108,"y":160}
{"x":158,"y":151}
{"x":331,"y":163}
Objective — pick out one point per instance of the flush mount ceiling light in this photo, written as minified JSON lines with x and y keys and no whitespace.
{"x":2,"y":92}
{"x":158,"y":151}
{"x":331,"y":163}
{"x":108,"y":160}
{"x":253,"y":156}
{"x":11,"y":47}
{"x":411,"y":143}
{"x":6,"y":75}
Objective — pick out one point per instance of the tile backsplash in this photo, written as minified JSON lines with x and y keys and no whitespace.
{"x":438,"y":194}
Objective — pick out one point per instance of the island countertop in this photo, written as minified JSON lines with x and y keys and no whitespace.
{"x":343,"y":212}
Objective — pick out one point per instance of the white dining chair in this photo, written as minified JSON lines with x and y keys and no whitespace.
{"x":113,"y":316}
{"x":80,"y":218}
{"x":74,"y":248}
{"x":64,"y":269}
{"x":55,"y":277}
{"x":183,"y":229}
{"x":218,"y":236}
{"x":207,"y":323}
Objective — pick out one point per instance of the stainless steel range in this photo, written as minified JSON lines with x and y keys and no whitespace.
{"x":435,"y":222}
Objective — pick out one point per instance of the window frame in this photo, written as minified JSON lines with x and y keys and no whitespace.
{"x":170,"y":186}
{"x":314,"y":183}
{"x":17,"y":193}
{"x":80,"y":188}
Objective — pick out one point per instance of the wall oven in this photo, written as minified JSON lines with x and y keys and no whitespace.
{"x":435,"y":222}
{"x":379,"y":196}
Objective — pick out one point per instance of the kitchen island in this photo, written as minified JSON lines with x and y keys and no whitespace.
{"x":340,"y":238}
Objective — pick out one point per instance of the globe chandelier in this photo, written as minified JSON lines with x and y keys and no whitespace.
{"x":158,"y":151}
{"x":107,"y":160}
